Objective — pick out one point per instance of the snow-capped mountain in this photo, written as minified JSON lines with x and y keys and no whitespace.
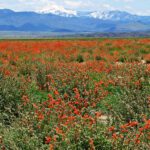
{"x":58,"y":10}
{"x":105,"y":15}
{"x":113,"y":15}
{"x":59,"y":19}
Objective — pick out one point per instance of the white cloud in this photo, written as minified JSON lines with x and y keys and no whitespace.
{"x":127,"y":1}
{"x":73,"y":3}
{"x":108,"y":7}
{"x":145,"y":13}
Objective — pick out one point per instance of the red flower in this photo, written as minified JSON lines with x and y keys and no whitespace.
{"x":47,"y":140}
{"x":7,"y":73}
{"x":76,"y":111}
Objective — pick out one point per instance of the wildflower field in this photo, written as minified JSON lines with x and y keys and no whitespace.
{"x":75,"y":94}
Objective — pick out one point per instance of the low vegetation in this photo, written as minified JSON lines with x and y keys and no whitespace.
{"x":75,"y":94}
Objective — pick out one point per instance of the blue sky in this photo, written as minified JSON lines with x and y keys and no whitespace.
{"x":141,"y":7}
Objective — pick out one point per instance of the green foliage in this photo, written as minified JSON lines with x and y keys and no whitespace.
{"x":10,"y":97}
{"x":98,"y":58}
{"x":132,"y":103}
{"x":80,"y":59}
{"x":122,"y":59}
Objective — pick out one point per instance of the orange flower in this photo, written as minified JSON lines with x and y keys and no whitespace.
{"x":100,"y":82}
{"x":137,"y":83}
{"x":25,"y":100}
{"x":59,"y":131}
{"x":114,"y":136}
{"x":98,"y":114}
{"x":93,"y":104}
{"x":56,"y":92}
{"x":35,"y":106}
{"x":91,"y":143}
{"x":66,"y":96}
{"x":51,"y":147}
{"x":40,"y":117}
{"x":132,"y":124}
{"x":111,"y":129}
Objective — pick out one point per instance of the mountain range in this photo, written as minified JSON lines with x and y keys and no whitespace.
{"x":63,"y":20}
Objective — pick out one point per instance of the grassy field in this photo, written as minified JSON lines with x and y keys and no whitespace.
{"x":78,"y":94}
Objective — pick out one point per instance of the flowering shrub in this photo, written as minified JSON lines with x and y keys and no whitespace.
{"x":75,"y":94}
